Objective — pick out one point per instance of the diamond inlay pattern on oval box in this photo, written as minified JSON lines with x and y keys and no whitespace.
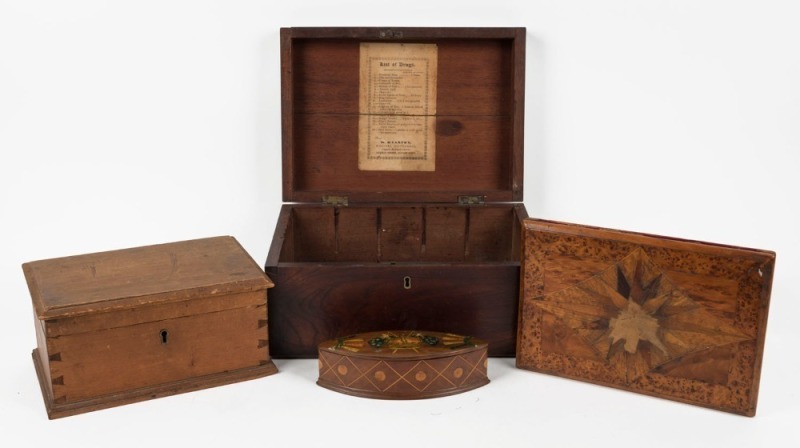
{"x":403,"y":364}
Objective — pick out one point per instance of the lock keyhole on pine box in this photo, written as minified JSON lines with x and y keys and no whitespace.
{"x":164,"y":334}
{"x":406,"y":282}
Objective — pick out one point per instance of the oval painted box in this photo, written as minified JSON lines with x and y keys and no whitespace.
{"x":403,"y":365}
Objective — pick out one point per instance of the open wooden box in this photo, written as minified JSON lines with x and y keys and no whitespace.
{"x":434,"y":248}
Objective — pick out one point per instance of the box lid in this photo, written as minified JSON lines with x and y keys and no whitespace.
{"x":403,"y":345}
{"x":445,"y":122}
{"x":672,"y":318}
{"x":127,"y":278}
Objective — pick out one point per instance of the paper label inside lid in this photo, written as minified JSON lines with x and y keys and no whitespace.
{"x":397,"y":107}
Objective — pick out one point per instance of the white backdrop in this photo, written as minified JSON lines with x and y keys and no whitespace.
{"x":138,"y":122}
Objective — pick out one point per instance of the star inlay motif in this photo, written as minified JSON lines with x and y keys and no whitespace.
{"x":631,"y":314}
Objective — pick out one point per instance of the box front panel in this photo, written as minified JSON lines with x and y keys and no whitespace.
{"x":102,"y":362}
{"x":315,"y":302}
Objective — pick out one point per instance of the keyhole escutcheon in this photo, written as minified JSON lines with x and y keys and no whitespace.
{"x":164,"y":335}
{"x":406,"y":282}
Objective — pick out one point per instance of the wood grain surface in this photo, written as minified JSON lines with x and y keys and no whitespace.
{"x":143,"y":275}
{"x":671,"y":318}
{"x":403,"y":253}
{"x":479,"y":120}
{"x":461,"y":263}
{"x":403,"y":365}
{"x":129,"y":325}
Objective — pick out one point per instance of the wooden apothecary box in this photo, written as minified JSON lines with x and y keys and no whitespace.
{"x":123,"y":326}
{"x":368,"y":243}
{"x":672,"y":318}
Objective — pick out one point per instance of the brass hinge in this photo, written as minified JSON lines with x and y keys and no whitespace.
{"x":336,"y":201}
{"x":471,"y":200}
